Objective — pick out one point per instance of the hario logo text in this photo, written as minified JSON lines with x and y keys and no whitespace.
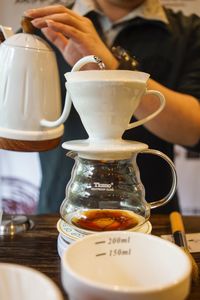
{"x":103,"y":186}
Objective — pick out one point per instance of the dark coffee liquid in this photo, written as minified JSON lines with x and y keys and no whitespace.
{"x":105,"y":220}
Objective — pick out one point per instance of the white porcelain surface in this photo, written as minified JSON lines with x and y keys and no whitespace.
{"x":107,"y":75}
{"x":125,"y":265}
{"x":28,"y":41}
{"x":29,"y":88}
{"x":117,"y":149}
{"x":18,"y":282}
{"x":107,"y":99}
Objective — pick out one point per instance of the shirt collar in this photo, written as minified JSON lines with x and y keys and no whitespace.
{"x":149,"y":10}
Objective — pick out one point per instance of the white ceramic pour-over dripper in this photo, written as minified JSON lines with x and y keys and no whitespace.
{"x":107,"y":99}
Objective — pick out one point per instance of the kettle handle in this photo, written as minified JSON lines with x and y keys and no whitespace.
{"x":169,"y":196}
{"x":154,"y":114}
{"x":68,"y":102}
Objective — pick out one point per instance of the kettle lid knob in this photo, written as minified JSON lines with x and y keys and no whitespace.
{"x":27,"y":26}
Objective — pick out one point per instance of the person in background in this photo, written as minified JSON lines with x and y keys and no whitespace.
{"x":165,"y":44}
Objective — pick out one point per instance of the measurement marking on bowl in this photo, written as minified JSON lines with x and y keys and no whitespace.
{"x":119,"y":252}
{"x":118,"y":240}
{"x":101,"y":254}
{"x":115,"y":252}
{"x":100,"y":242}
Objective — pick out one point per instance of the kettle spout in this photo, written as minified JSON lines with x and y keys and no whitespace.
{"x":6,"y":32}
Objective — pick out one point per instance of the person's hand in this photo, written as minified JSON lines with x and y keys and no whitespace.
{"x":74,"y":35}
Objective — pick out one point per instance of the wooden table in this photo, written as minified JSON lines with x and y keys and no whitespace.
{"x":37,"y":248}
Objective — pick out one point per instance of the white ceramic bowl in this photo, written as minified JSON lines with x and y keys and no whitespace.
{"x":125,"y":265}
{"x":22,"y":283}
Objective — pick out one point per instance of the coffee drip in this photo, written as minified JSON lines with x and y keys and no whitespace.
{"x":105,"y":191}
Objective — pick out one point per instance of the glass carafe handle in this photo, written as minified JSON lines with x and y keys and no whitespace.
{"x":168,"y":197}
{"x":154,"y":114}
